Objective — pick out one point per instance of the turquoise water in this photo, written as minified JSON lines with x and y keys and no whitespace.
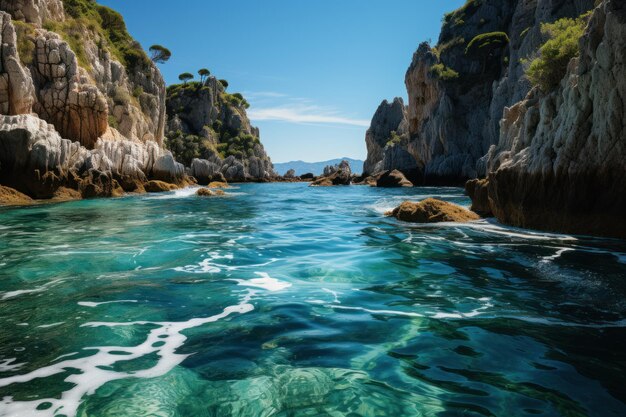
{"x":283,"y":300}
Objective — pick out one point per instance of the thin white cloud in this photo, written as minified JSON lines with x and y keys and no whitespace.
{"x":303,"y":115}
{"x":263,"y":94}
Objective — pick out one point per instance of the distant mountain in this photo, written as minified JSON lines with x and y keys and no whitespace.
{"x":317,"y":168}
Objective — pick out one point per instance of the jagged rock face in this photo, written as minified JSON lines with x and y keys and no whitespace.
{"x":561,"y":160}
{"x":385,"y":137}
{"x":205,"y":112}
{"x":17,"y":92}
{"x":78,"y":110}
{"x":82,"y":101}
{"x":454,"y":120}
{"x":34,"y":159}
{"x":34,"y":11}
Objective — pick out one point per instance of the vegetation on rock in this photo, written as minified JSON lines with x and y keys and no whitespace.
{"x":103,"y":23}
{"x":485,"y":45}
{"x":549,"y":68}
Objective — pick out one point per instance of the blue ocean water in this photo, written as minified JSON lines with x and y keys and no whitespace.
{"x":284,"y":300}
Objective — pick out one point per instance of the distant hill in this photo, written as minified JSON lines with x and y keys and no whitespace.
{"x":317,"y":168}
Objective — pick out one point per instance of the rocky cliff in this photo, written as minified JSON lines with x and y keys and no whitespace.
{"x":209,"y":131}
{"x":560,"y":163}
{"x":80,"y":100}
{"x":387,"y":140}
{"x":458,"y":89}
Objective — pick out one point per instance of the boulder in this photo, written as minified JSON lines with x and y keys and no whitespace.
{"x":340,"y":174}
{"x":393,"y":178}
{"x":432,"y":211}
{"x":12,"y":197}
{"x":205,"y":192}
{"x":218,"y":184}
{"x":156,"y":186}
{"x":307,"y":176}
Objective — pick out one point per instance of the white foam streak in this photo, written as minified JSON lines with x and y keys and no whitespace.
{"x":12,"y":294}
{"x":265,"y":282}
{"x":93,"y":304}
{"x":163,"y":341}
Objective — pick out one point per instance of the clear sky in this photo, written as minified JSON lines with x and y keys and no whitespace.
{"x":314,"y":71}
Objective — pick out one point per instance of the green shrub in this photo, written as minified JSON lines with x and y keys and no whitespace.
{"x":483,"y":46}
{"x":549,"y":68}
{"x":486,"y":42}
{"x":106,"y":26}
{"x":113,"y":122}
{"x":121,"y":96}
{"x":443,"y":73}
{"x":394,"y":140}
{"x":138,"y":92}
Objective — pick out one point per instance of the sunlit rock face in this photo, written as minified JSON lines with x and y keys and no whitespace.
{"x":456,"y":98}
{"x":385,"y":138}
{"x":207,"y":114}
{"x":82,"y":93}
{"x":560,"y":163}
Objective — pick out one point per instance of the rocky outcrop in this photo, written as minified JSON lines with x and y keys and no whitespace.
{"x":457,"y":94}
{"x":391,"y":179}
{"x":290,"y":174}
{"x":107,"y":83}
{"x":11,"y":197}
{"x":478,"y":191}
{"x":35,"y":160}
{"x":560,"y":163}
{"x":386,"y":140}
{"x":209,"y":131}
{"x":17,"y":92}
{"x":78,"y":110}
{"x":432,"y":211}
{"x":340,"y":174}
{"x":34,"y":11}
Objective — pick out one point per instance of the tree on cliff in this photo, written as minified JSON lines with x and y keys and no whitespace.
{"x":224,"y":84}
{"x":203,"y":73}
{"x":160,"y":54}
{"x":186,"y":76}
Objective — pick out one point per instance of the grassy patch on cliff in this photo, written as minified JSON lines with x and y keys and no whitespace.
{"x":443,"y":73}
{"x":106,"y":26}
{"x":550,"y":66}
{"x":25,"y":41}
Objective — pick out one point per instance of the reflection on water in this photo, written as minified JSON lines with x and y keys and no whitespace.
{"x":282,"y":300}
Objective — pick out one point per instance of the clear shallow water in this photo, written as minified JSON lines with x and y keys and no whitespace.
{"x":283,"y":300}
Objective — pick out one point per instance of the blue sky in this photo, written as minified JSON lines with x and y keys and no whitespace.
{"x":313,"y":71}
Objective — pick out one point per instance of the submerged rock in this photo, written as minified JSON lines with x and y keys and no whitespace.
{"x":432,"y":210}
{"x":393,"y":178}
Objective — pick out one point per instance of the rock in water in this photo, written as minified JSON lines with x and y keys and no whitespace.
{"x":290,"y":174}
{"x":386,"y":140}
{"x":205,"y":192}
{"x":11,"y":197}
{"x":156,"y":186}
{"x":340,"y":174}
{"x":478,"y":191}
{"x":432,"y":211}
{"x":560,"y":164}
{"x":393,"y":178}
